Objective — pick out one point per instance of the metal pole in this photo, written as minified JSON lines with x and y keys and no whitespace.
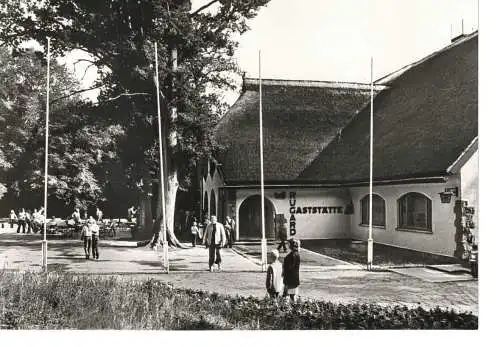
{"x":370,"y":222}
{"x":262,"y":217}
{"x":44,"y":241}
{"x":162,"y":178}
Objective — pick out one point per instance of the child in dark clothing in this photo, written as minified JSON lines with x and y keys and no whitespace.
{"x":291,"y":266}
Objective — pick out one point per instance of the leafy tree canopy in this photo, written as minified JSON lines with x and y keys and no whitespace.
{"x":79,"y":141}
{"x":119,"y":36}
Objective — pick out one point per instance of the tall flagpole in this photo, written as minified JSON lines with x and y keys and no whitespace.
{"x":370,"y":223}
{"x":44,"y":241}
{"x":262,"y":216}
{"x":162,"y":178}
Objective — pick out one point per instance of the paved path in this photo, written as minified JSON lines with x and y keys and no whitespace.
{"x":309,"y":260}
{"x":321,"y":278}
{"x":23,"y":252}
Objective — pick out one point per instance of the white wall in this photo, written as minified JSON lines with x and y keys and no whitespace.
{"x":442,"y":238}
{"x":339,"y":225}
{"x":308,"y":225}
{"x":469,"y":186}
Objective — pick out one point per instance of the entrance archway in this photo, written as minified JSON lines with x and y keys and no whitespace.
{"x":250,"y":219}
{"x":205,"y":206}
{"x":213,"y":205}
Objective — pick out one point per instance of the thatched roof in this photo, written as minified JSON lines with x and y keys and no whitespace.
{"x":422,"y":122}
{"x":299,"y":119}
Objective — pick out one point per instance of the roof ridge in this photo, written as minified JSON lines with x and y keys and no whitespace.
{"x":402,"y":70}
{"x":311,"y":83}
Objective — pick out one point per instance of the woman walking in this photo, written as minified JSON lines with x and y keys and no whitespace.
{"x":291,"y":267}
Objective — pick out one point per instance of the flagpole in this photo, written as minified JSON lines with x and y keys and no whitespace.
{"x":370,"y":223}
{"x":162,"y":178}
{"x":262,"y":217}
{"x":44,"y":241}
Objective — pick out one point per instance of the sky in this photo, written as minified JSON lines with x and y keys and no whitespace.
{"x":333,"y":40}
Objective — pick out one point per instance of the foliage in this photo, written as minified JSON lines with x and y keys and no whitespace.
{"x":65,"y":301}
{"x":79,"y":142}
{"x":119,"y":36}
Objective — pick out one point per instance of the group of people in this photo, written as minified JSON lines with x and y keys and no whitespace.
{"x":90,"y":237}
{"x":27,"y":221}
{"x":89,"y":228}
{"x":198,"y":230}
{"x":214,"y":236}
{"x":283,"y":279}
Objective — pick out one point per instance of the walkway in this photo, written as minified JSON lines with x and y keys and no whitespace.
{"x":321,"y":277}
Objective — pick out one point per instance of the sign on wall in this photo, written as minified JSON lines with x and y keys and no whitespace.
{"x":296,"y":209}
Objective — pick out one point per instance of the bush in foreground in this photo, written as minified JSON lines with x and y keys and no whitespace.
{"x":65,"y":301}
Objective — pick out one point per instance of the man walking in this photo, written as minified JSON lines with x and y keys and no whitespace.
{"x":94,"y":229}
{"x":21,"y":221}
{"x":87,"y":239}
{"x":214,"y":239}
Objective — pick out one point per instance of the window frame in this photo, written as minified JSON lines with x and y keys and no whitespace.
{"x":367,"y":199}
{"x":406,"y":227}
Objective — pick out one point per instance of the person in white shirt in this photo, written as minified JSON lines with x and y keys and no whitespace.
{"x":21,"y":221}
{"x":194,"y":232}
{"x":12,"y":218}
{"x":98,"y":214}
{"x":87,"y":239}
{"x":274,"y":278}
{"x":214,"y":239}
{"x":75,"y":216}
{"x":94,"y":228}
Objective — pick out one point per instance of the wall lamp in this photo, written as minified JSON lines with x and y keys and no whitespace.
{"x":447,"y":194}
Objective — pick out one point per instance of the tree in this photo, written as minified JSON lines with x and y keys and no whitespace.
{"x":78,"y":143}
{"x":119,"y":38}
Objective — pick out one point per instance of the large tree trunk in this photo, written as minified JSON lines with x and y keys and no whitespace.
{"x":170,"y":172}
{"x":171,"y":186}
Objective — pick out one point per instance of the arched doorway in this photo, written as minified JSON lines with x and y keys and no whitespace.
{"x":250,"y":219}
{"x":213,"y":205}
{"x":205,"y":205}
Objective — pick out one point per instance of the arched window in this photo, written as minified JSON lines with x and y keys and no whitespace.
{"x":415,"y":212}
{"x":378,"y":210}
{"x":213,"y":205}
{"x":205,"y":204}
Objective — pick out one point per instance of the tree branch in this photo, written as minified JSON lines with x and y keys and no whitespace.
{"x":76,"y":92}
{"x":125,"y":94}
{"x":203,"y":7}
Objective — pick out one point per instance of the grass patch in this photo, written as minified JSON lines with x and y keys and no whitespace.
{"x":383,"y":255}
{"x":66,"y":301}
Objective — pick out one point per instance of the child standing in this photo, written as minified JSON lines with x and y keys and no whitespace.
{"x":291,"y":266}
{"x":274,"y":278}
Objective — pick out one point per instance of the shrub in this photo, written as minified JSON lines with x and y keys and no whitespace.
{"x":66,"y":301}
